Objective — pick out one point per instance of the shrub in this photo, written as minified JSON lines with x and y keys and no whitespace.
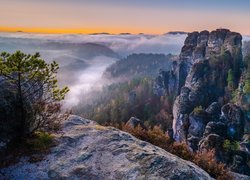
{"x":182,"y":150}
{"x":205,"y":160}
{"x":34,"y":83}
{"x":154,"y":136}
{"x":230,"y":79}
{"x":235,"y":95}
{"x":231,"y":145}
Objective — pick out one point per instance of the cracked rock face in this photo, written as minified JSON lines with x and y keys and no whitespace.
{"x":87,"y":150}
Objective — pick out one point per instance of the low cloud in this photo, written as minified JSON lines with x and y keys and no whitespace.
{"x":122,"y":44}
{"x":80,"y":72}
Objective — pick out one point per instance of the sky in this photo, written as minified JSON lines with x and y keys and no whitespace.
{"x":122,"y":16}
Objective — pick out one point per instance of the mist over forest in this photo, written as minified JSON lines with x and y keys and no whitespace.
{"x":84,"y":58}
{"x":125,"y":90}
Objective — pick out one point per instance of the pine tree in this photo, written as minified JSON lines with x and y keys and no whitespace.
{"x":35,"y":84}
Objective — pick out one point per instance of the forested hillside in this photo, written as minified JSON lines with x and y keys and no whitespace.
{"x":139,"y":65}
{"x":116,"y":103}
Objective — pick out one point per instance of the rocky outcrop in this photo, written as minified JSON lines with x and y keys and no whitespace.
{"x":167,"y":83}
{"x":213,"y":127}
{"x":86,"y":150}
{"x":205,"y":59}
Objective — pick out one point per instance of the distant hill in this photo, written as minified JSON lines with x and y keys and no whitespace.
{"x":81,"y":50}
{"x":176,"y":32}
{"x":138,"y":65}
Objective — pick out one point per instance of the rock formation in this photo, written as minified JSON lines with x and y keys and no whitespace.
{"x":134,"y":123}
{"x":203,"y":118}
{"x":205,"y":61}
{"x":87,"y":150}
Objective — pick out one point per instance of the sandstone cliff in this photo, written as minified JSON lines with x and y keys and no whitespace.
{"x":203,"y":116}
{"x":205,"y":60}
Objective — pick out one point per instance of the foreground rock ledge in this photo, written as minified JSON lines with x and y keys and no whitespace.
{"x":87,"y":150}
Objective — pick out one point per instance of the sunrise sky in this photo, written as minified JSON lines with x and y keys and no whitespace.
{"x":119,"y":16}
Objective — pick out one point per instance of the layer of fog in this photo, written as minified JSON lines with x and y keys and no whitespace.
{"x":82,"y":69}
{"x":122,"y":44}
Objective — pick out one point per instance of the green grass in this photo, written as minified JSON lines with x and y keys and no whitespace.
{"x":198,"y":109}
{"x":40,"y":141}
{"x":35,"y":147}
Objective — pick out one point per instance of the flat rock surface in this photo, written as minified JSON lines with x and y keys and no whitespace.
{"x":87,"y":150}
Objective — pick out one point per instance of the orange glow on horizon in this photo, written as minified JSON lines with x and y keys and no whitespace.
{"x":75,"y":31}
{"x":104,"y":30}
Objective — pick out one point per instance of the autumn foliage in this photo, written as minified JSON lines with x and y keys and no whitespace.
{"x":205,"y":160}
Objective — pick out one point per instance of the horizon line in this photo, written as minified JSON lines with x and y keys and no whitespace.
{"x":73,"y":31}
{"x":88,"y":31}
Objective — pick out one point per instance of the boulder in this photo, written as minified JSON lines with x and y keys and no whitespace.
{"x":237,"y":176}
{"x":214,"y":110}
{"x":234,"y":118}
{"x":240,"y":165}
{"x":87,"y":150}
{"x":198,"y":123}
{"x":134,"y":122}
{"x":212,"y":141}
{"x":218,"y":128}
{"x":193,"y":143}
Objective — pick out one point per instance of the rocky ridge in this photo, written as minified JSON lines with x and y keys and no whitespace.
{"x":87,"y":150}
